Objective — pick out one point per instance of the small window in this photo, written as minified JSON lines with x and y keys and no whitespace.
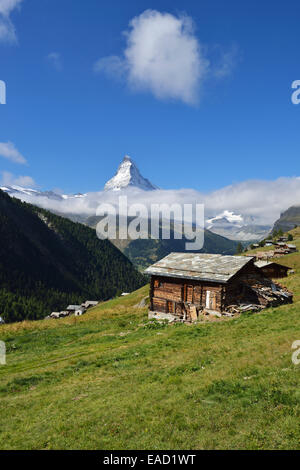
{"x":157,"y":283}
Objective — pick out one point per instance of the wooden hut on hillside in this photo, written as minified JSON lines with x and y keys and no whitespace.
{"x":271,"y":269}
{"x":185,"y":285}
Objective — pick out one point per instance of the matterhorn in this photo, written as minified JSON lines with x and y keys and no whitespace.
{"x":128,"y":175}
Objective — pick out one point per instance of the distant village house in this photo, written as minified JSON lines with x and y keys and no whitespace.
{"x":76,"y":310}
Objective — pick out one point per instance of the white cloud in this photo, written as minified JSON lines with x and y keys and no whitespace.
{"x":54,"y":58}
{"x":9,"y":151}
{"x":162,"y":56}
{"x":8,"y":179}
{"x":7,"y":29}
{"x":263,"y":200}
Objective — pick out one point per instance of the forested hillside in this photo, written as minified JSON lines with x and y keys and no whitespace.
{"x":145,"y":251}
{"x":47,"y":261}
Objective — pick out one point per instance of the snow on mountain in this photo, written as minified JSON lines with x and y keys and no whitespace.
{"x":128,"y":175}
{"x":23,"y":193}
{"x":237,"y":226}
{"x":227,"y":223}
{"x":227,"y":216}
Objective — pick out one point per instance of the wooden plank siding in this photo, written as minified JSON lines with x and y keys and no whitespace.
{"x":184,"y":297}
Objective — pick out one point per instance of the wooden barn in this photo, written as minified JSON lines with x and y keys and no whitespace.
{"x":185,"y":285}
{"x":271,"y":269}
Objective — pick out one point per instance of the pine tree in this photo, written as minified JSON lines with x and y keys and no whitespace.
{"x":239,"y":248}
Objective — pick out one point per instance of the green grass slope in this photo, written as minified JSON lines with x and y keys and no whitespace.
{"x":47,"y":261}
{"x":113,"y":380}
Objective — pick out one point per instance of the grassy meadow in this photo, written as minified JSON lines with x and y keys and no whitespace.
{"x":113,"y":380}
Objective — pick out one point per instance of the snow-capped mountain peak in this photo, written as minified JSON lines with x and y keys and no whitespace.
{"x":227,"y":216}
{"x":237,"y":226}
{"x":128,"y":175}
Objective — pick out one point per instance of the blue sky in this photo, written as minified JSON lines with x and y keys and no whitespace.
{"x":73,"y":121}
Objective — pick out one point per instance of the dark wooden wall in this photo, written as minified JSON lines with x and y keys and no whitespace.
{"x":274,"y":272}
{"x":177,"y":296}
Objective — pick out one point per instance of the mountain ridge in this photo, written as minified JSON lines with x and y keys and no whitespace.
{"x":288,"y":219}
{"x":237,"y":227}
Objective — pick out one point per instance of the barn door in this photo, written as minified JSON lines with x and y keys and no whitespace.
{"x":207,"y":300}
{"x":211,"y":301}
{"x":170,"y":306}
